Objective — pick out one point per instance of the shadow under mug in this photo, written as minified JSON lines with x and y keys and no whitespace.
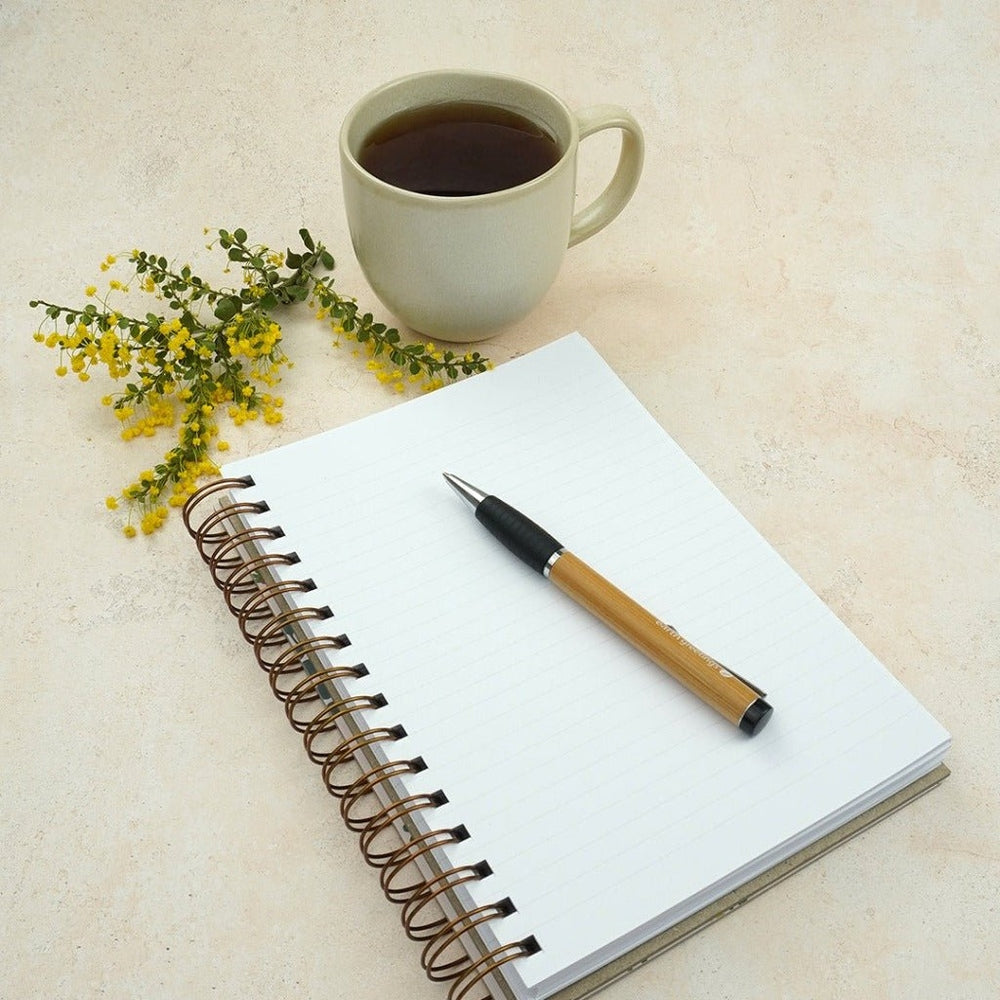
{"x":460,"y":268}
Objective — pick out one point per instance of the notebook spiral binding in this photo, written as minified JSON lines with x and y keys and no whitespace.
{"x":335,"y":740}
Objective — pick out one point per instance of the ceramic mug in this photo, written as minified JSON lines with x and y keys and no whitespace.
{"x":459,"y":268}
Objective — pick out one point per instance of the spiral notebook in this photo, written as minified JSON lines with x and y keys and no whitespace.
{"x":545,"y":806}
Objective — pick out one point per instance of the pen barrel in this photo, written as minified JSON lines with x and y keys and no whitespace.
{"x":707,"y":678}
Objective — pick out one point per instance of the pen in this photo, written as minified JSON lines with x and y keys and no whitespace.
{"x":733,"y":696}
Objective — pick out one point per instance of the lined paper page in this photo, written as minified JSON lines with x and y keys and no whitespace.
{"x":608,"y":800}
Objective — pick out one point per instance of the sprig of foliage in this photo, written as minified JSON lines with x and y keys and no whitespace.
{"x":216,"y":350}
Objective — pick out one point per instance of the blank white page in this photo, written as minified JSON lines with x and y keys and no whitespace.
{"x":608,"y":800}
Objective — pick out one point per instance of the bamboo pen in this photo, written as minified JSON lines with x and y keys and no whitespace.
{"x":729,"y":694}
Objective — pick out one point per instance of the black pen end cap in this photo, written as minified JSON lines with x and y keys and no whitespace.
{"x":756,"y":717}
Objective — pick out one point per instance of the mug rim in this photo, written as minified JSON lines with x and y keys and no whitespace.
{"x":348,"y":157}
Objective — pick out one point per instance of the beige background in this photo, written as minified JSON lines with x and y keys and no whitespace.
{"x":804,"y":291}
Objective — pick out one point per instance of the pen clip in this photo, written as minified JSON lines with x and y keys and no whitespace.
{"x":749,"y":684}
{"x":721,"y":666}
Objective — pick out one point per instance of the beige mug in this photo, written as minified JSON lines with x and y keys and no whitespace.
{"x":460,"y":268}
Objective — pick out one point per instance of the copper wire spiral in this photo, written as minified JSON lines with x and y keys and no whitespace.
{"x":313,"y":686}
{"x":448,"y":938}
{"x":384,"y":822}
{"x":336,"y":737}
{"x":487,"y":964}
{"x":364,"y":786}
{"x":289,"y":662}
{"x":430,"y":892}
{"x":396,"y":889}
{"x":244,"y":581}
{"x":257,"y":608}
{"x":328,"y":721}
{"x":226,"y":555}
{"x":276,"y":631}
{"x":343,"y":753}
{"x":212,"y":535}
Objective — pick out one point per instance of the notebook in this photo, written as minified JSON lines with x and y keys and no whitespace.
{"x":547,"y":807}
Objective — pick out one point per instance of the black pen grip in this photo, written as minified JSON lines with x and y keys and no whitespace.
{"x":529,"y":542}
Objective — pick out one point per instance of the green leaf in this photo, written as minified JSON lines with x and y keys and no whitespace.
{"x":240,"y":236}
{"x":292,"y":259}
{"x":415,"y":368}
{"x":307,"y":239}
{"x":327,"y":259}
{"x":228,"y":308}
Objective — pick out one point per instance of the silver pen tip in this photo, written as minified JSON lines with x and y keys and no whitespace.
{"x":469,"y":493}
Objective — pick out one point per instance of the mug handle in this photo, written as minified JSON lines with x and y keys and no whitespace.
{"x":615,"y":196}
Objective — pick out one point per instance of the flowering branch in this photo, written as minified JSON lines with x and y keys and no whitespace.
{"x":197,"y":366}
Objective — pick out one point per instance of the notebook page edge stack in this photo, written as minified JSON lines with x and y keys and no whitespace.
{"x":657,"y":804}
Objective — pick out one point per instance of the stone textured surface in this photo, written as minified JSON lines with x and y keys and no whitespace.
{"x":805,"y":291}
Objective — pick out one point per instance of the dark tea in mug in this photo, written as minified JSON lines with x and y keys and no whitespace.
{"x":457,"y":149}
